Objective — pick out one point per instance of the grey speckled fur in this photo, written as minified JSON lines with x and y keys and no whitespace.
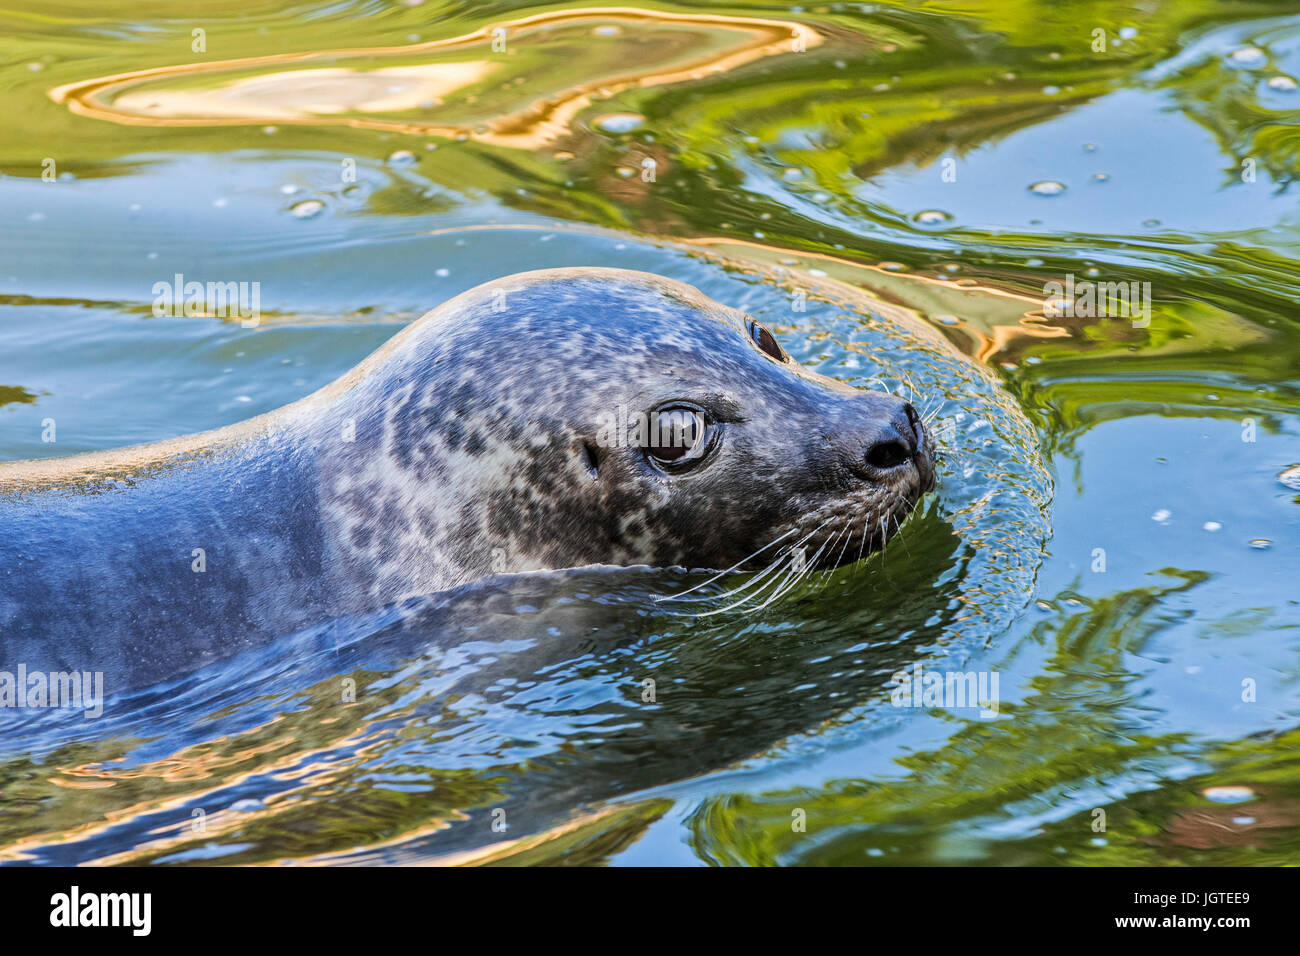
{"x":463,"y":447}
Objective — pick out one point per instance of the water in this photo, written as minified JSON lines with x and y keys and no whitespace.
{"x":1090,"y":540}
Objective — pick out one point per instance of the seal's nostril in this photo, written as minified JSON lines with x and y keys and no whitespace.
{"x":888,"y":454}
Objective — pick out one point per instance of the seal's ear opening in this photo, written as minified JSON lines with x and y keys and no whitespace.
{"x":590,"y":460}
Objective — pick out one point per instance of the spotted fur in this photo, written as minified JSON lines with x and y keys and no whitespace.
{"x":468,"y":445}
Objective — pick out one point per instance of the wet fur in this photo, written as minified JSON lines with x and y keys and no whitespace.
{"x":461,"y":448}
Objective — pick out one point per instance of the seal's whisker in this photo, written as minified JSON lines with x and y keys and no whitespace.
{"x":791,"y":580}
{"x":758,"y":582}
{"x":777,"y":562}
{"x":932,"y":409}
{"x":780,"y":587}
{"x":680,"y":594}
{"x":898,"y":530}
{"x":847,"y":532}
{"x":775,"y":565}
{"x":911,"y":386}
{"x":745,"y":600}
{"x":806,"y":570}
{"x":863,"y":546}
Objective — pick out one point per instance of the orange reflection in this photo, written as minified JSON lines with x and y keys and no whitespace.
{"x":348,"y":96}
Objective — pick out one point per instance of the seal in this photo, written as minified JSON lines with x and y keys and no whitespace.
{"x":548,"y":420}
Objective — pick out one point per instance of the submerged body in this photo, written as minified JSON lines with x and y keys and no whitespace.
{"x":506,"y":431}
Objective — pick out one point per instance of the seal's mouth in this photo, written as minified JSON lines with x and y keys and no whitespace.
{"x":840,"y":533}
{"x":849,"y":530}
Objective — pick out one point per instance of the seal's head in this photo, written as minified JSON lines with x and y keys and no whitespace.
{"x":598,"y":416}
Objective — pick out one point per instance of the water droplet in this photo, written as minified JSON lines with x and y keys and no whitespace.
{"x":932,"y":217}
{"x":892,"y":267}
{"x":1048,"y":187}
{"x":1051,"y":90}
{"x":1128,"y":33}
{"x":792,"y":174}
{"x":1228,"y":794}
{"x":1212,"y":526}
{"x":403,"y":157}
{"x":247,"y":805}
{"x":607,"y":30}
{"x":289,"y":189}
{"x":1162,"y":516}
{"x":1089,"y":147}
{"x":307,"y":208}
{"x":1150,"y":222}
{"x":563,"y":155}
{"x":618,"y":122}
{"x":1261,"y":544}
{"x":221,"y":203}
{"x":1247,"y":56}
{"x":1101,"y":177}
{"x":627,"y":172}
{"x":1291,"y":478}
{"x":1243,"y":821}
{"x":1283,"y":83}
{"x":947,"y":319}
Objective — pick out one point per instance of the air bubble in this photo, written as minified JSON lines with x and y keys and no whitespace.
{"x":618,"y":122}
{"x":1047,"y":187}
{"x":932,"y":217}
{"x":307,"y":208}
{"x":1228,"y":794}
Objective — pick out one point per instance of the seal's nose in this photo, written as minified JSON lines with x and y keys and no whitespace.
{"x":896,"y":443}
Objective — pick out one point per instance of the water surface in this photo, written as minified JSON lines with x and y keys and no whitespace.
{"x":1115,"y":534}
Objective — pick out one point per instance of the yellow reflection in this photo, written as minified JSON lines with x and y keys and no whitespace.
{"x":500,"y":85}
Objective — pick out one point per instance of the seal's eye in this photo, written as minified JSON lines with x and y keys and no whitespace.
{"x":766,"y":341}
{"x":675,"y":435}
